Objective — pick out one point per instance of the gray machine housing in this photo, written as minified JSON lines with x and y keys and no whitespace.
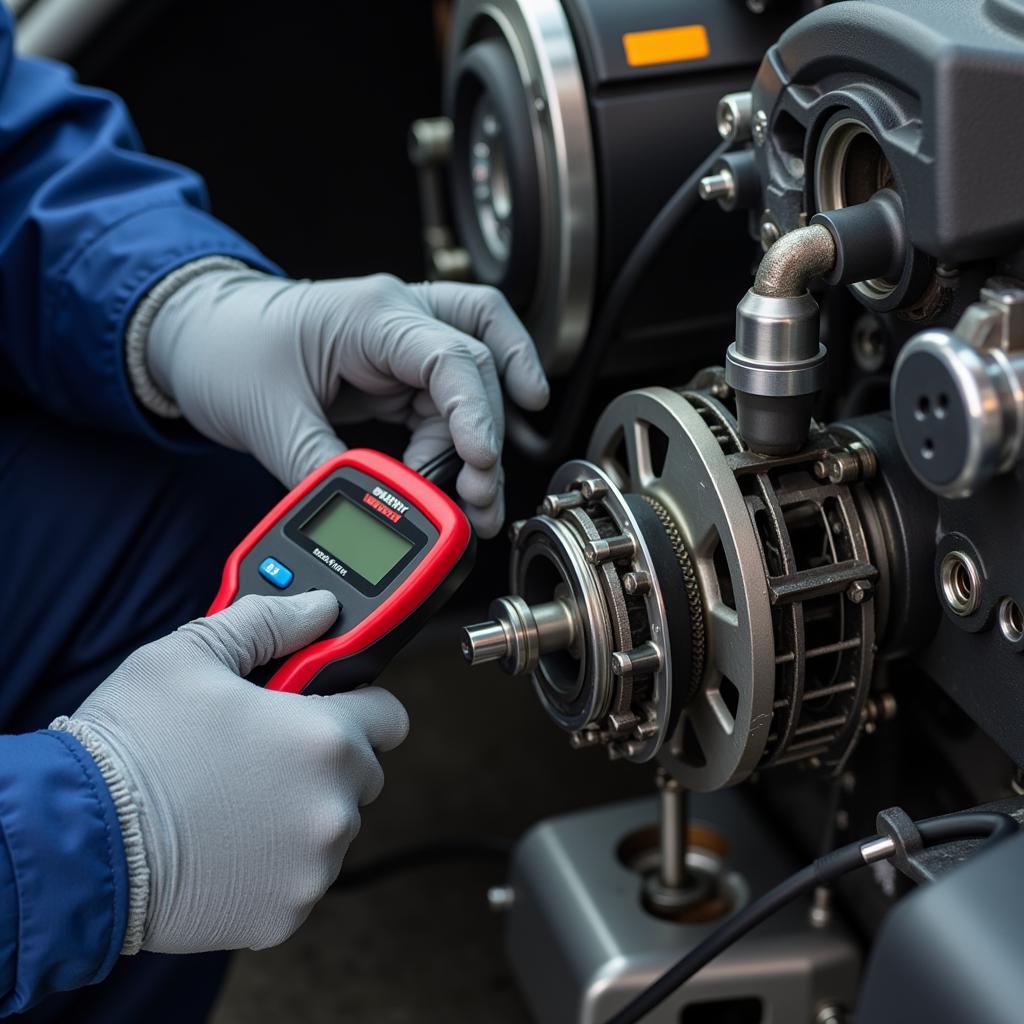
{"x":936,"y":84}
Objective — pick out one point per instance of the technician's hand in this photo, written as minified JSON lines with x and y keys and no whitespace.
{"x":255,"y":362}
{"x":237,"y":804}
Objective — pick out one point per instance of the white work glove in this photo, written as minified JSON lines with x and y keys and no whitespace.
{"x":236,"y":803}
{"x":256,"y":362}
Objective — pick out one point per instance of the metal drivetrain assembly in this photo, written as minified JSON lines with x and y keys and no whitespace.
{"x":678,"y":595}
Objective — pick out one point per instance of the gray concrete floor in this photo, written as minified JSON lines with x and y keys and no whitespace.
{"x":481,"y":759}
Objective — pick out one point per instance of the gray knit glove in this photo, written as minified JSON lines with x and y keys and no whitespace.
{"x":237,"y":804}
{"x":256,"y":362}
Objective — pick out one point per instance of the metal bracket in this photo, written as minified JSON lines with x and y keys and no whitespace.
{"x":897,"y":825}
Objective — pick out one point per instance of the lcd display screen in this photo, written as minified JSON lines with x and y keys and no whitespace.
{"x":357,"y":538}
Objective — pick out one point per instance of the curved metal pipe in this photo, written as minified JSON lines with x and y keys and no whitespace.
{"x":794,"y":260}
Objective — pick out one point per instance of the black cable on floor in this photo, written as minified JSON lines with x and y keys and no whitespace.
{"x":967,"y":825}
{"x":424,"y":855}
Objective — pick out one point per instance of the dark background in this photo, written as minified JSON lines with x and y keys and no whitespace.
{"x":295,"y":114}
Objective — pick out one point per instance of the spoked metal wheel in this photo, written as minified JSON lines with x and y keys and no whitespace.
{"x":672,"y":450}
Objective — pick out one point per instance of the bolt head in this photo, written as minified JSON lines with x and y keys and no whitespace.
{"x":760,"y":129}
{"x":859,"y":591}
{"x":636,"y":583}
{"x":770,"y":232}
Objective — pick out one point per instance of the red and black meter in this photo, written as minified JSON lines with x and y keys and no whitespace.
{"x":388,"y":543}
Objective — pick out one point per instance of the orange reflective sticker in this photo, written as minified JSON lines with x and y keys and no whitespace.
{"x":666,"y":45}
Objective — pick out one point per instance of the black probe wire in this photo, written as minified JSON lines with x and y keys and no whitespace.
{"x":989,"y":825}
{"x":424,"y":855}
{"x":678,"y":208}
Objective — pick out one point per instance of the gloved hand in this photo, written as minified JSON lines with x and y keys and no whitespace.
{"x":237,"y":804}
{"x":254,"y":362}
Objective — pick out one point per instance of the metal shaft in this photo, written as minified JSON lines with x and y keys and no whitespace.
{"x":519,"y":634}
{"x":486,"y":641}
{"x":674,"y":827}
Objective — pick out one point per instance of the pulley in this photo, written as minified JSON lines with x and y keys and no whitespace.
{"x":678,"y":596}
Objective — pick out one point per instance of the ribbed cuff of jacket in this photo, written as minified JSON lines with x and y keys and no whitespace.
{"x":63,"y":883}
{"x":146,"y":389}
{"x":131,"y":830}
{"x":93,"y":298}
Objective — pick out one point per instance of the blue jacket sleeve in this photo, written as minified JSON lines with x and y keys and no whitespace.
{"x":88,"y":224}
{"x":63,"y":879}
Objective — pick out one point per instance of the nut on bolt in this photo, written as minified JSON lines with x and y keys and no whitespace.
{"x":859,"y":591}
{"x":857,"y":462}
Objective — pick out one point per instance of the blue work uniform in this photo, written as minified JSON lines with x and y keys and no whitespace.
{"x":112,"y":526}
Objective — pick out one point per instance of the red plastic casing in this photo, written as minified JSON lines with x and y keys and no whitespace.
{"x":454,"y":538}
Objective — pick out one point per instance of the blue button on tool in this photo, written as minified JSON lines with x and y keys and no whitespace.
{"x":274,"y":572}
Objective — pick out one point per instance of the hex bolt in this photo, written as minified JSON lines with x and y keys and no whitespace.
{"x":642,"y":660}
{"x":612,"y":548}
{"x":593,"y":490}
{"x":760,"y":128}
{"x":720,"y":186}
{"x":859,"y":591}
{"x":734,"y":115}
{"x":637,"y":583}
{"x":555,"y":504}
{"x":857,"y":462}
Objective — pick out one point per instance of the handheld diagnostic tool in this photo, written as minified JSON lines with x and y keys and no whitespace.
{"x":388,"y":543}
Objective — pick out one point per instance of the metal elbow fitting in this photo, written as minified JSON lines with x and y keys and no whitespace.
{"x":777,"y":364}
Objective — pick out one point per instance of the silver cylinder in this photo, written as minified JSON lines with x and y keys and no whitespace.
{"x":483,"y":642}
{"x":777,"y":352}
{"x":673,"y":833}
{"x":520,"y":634}
{"x":735,"y":116}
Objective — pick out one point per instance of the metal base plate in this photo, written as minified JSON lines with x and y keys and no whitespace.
{"x":581,"y":944}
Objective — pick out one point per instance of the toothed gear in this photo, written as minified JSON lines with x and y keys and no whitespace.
{"x":693,"y":597}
